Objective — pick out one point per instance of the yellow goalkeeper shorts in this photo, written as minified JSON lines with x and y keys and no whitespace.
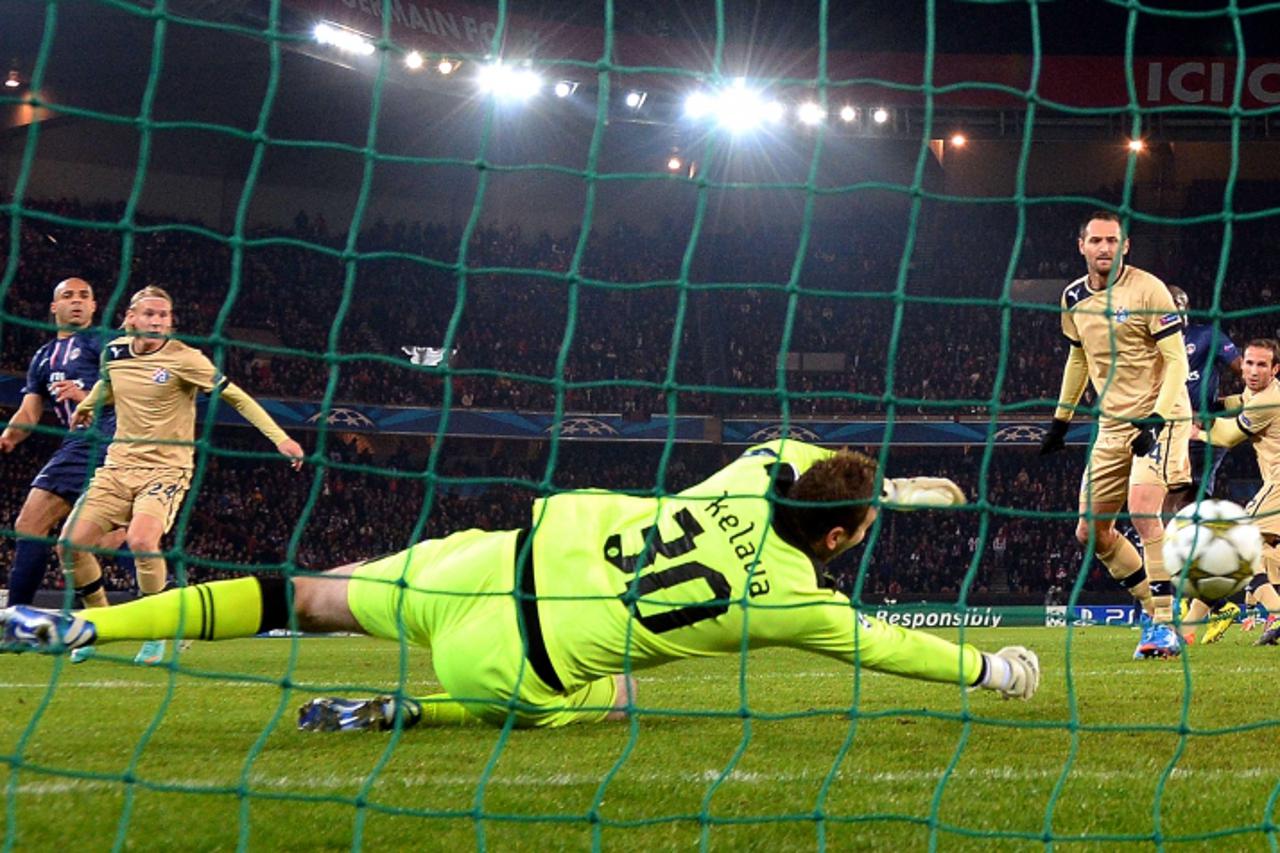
{"x":456,"y":595}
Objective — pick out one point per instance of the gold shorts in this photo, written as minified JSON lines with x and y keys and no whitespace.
{"x":116,"y":495}
{"x":1112,"y":468}
{"x":1265,"y":509}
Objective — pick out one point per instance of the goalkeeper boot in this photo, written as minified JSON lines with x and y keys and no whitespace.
{"x":1144,"y":623}
{"x":151,"y":653}
{"x":50,"y":630}
{"x":1162,"y":642}
{"x":334,"y":714}
{"x":1219,"y":622}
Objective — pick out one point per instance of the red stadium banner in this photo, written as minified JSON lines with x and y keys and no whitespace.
{"x":965,"y":80}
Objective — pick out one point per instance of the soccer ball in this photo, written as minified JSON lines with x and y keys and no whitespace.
{"x":1212,"y":549}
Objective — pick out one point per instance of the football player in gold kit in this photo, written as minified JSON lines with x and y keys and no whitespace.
{"x":1125,"y":336}
{"x":152,"y":379}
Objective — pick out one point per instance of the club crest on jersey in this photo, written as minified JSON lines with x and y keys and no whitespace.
{"x":1122,"y":315}
{"x":73,"y":354}
{"x":161,"y":376}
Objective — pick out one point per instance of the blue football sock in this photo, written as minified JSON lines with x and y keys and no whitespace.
{"x":29,"y":561}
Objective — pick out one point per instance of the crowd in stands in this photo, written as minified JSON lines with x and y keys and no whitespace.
{"x":289,"y":316}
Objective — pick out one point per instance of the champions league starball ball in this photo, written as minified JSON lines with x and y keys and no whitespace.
{"x":1212,"y":549}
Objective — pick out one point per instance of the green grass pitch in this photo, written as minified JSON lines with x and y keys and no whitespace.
{"x":1112,"y":751}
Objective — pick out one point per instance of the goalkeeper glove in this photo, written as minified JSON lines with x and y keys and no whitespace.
{"x":914,"y":492}
{"x":1055,"y":438}
{"x":1148,"y":435}
{"x":1013,"y":672}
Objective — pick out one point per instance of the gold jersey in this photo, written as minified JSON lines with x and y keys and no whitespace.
{"x":1260,"y":420}
{"x":1118,"y":328}
{"x":155,"y":400}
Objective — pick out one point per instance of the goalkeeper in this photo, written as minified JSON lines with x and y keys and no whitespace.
{"x":545,"y":624}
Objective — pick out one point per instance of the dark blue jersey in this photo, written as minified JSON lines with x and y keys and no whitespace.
{"x":1205,"y":361}
{"x":74,"y":358}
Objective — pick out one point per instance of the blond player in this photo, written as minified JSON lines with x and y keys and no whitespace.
{"x":1125,"y":336}
{"x":1258,"y":421}
{"x":153,"y":381}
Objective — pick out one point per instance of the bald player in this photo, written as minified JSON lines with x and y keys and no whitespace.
{"x":1125,"y":336}
{"x":153,"y":381}
{"x":60,"y":375}
{"x":1257,"y":420}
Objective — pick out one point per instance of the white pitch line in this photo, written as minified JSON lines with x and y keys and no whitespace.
{"x":704,"y":777}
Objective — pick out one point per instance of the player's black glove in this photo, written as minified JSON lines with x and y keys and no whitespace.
{"x":1148,"y":434}
{"x":1055,"y":438}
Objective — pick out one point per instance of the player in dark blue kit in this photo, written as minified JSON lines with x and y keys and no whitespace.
{"x":61,"y":374}
{"x":1207,"y":354}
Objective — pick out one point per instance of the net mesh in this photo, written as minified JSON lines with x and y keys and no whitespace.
{"x":684,"y":291}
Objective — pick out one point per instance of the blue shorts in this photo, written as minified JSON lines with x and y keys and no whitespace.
{"x":68,"y":471}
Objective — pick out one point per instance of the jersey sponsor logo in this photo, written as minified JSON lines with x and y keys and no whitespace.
{"x":161,"y":376}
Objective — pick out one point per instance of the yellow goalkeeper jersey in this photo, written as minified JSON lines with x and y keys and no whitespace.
{"x":635,"y":581}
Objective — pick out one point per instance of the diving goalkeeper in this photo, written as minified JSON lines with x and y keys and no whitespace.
{"x":545,"y":624}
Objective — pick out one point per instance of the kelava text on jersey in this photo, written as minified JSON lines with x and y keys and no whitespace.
{"x":744,"y":548}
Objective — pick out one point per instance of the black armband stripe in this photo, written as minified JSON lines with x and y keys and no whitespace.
{"x":1130,"y":581}
{"x":89,"y":588}
{"x":1164,"y":333}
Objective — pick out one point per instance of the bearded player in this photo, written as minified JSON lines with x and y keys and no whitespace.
{"x":542,"y":626}
{"x":1125,"y":336}
{"x":153,"y":381}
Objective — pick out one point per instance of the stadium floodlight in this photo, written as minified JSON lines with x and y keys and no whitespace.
{"x":811,"y":113}
{"x":959,"y":140}
{"x":880,"y":115}
{"x":848,"y":114}
{"x":739,"y":109}
{"x":698,"y":105}
{"x":1137,"y":146}
{"x":413,"y":60}
{"x":674,"y":164}
{"x":345,"y":40}
{"x":447,"y":66}
{"x":13,"y":81}
{"x":635,"y":99}
{"x":565,"y":88}
{"x":507,"y":83}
